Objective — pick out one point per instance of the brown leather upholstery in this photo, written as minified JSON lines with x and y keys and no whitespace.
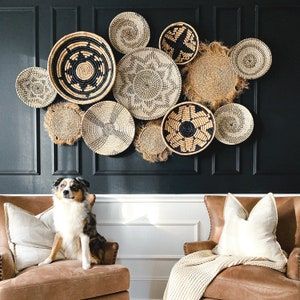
{"x":252,"y":282}
{"x":61,"y":279}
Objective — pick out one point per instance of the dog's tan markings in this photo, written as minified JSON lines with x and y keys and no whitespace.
{"x":56,"y":246}
{"x":91,"y":198}
{"x":78,"y":195}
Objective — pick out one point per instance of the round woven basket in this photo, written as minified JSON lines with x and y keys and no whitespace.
{"x":82,"y":67}
{"x":108,"y":128}
{"x":188,"y":128}
{"x":150,"y":144}
{"x":179,"y":40}
{"x":234,"y":124}
{"x":148,"y":83}
{"x":129,"y":31}
{"x":251,"y":58}
{"x":63,"y":123}
{"x":210,"y":77}
{"x":33,"y":87}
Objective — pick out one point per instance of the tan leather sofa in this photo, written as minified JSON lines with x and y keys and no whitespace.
{"x":251,"y":282}
{"x":61,"y":280}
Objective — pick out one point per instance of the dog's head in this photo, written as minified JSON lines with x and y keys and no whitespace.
{"x":71,"y":188}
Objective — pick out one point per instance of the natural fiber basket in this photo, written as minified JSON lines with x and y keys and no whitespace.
{"x":251,"y":58}
{"x":179,"y":40}
{"x":82,"y":67}
{"x":33,"y":87}
{"x":108,"y":128}
{"x":148,"y":83}
{"x":149,"y":142}
{"x":129,"y":31}
{"x":63,"y":123}
{"x":234,"y":124}
{"x":188,"y":128}
{"x":210,"y":78}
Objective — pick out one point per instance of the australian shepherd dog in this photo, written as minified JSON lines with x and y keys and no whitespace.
{"x":75,"y":224}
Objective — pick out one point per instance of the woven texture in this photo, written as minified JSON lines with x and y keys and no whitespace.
{"x":210,"y":77}
{"x":188,"y":128}
{"x":82,"y":67}
{"x":150,"y":144}
{"x":179,"y":40}
{"x":63,"y":123}
{"x":148,"y":83}
{"x":251,"y":58}
{"x":33,"y":87}
{"x":234,"y":124}
{"x":129,"y":31}
{"x":108,"y":128}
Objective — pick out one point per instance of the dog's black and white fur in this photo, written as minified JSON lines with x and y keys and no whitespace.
{"x":75,"y":224}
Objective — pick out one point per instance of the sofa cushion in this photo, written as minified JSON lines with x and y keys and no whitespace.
{"x":252,"y":282}
{"x":65,"y":280}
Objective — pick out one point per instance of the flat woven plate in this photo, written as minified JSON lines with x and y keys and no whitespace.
{"x":33,"y":87}
{"x":82,"y":67}
{"x":108,"y":128}
{"x":63,"y":123}
{"x":179,"y":40}
{"x":150,"y":143}
{"x":234,"y":124}
{"x":188,"y":128}
{"x":129,"y":31}
{"x":251,"y":58}
{"x":148,"y":83}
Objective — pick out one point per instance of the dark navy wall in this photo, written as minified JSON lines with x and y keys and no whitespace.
{"x":269,"y":161}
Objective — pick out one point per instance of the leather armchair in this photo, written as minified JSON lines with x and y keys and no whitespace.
{"x":61,"y":279}
{"x":252,"y":282}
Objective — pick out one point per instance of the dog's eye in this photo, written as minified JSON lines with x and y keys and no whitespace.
{"x":63,"y":185}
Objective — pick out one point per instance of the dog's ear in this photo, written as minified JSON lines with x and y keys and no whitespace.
{"x":57,"y":182}
{"x":84,"y":182}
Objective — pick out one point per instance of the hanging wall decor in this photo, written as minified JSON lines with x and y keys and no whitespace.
{"x":129,"y":31}
{"x":82,"y":67}
{"x":251,"y":58}
{"x":150,"y":144}
{"x":148,"y":83}
{"x":210,"y":78}
{"x":179,"y":40}
{"x":188,"y":128}
{"x":108,"y":128}
{"x":234,"y":124}
{"x":63,"y":123}
{"x":33,"y":87}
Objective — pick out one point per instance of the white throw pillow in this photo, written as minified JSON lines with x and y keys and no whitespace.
{"x":251,"y":234}
{"x":30,"y":237}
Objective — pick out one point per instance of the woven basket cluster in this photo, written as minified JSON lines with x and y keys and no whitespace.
{"x":210,"y":77}
{"x":149,"y":142}
{"x":63,"y":123}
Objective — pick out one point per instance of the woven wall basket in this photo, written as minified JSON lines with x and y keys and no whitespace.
{"x":179,"y":40}
{"x":33,"y":87}
{"x":210,"y":78}
{"x":129,"y":31}
{"x":82,"y":67}
{"x":63,"y":123}
{"x":251,"y":58}
{"x":188,"y":128}
{"x":108,"y":128}
{"x":150,"y":144}
{"x":148,"y":83}
{"x":234,"y":124}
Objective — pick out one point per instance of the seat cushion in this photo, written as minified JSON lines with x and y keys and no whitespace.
{"x":252,"y":282}
{"x":65,"y":280}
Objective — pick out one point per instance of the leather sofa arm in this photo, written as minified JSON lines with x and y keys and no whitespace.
{"x":191,"y":247}
{"x":110,"y":253}
{"x":7,"y":264}
{"x":293,"y":265}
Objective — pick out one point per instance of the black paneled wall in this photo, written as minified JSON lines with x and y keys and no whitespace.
{"x":268,"y":161}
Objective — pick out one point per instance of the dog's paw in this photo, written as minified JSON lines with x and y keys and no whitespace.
{"x":86,"y":265}
{"x":47,"y":261}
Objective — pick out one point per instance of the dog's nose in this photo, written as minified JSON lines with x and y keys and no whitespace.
{"x":66,"y":192}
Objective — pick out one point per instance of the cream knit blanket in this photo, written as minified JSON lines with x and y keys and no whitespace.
{"x":193,"y":273}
